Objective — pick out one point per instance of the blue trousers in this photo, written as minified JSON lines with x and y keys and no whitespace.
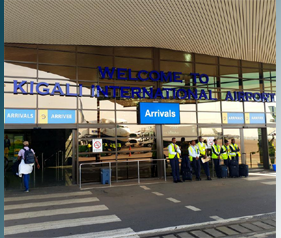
{"x":196,"y":167}
{"x":26,"y":181}
{"x":205,"y":167}
{"x":217,"y":167}
{"x":175,"y":169}
{"x":185,"y":164}
{"x":226,"y":162}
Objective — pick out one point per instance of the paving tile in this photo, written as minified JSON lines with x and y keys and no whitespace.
{"x":251,"y":227}
{"x":270,"y":222}
{"x":184,"y":235}
{"x":200,"y":234}
{"x":263,"y":225}
{"x":227,"y":231}
{"x":214,"y":232}
{"x":169,"y":236}
{"x":240,"y":229}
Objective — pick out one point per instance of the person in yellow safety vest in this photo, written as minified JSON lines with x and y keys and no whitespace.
{"x":234,"y":149}
{"x":119,"y":146}
{"x":174,"y":156}
{"x":89,"y":147}
{"x":194,"y":155}
{"x":216,"y":157}
{"x":203,"y":154}
{"x":226,"y":153}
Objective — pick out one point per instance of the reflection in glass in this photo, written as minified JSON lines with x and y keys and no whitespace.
{"x":254,"y":107}
{"x":211,"y":132}
{"x":187,"y":117}
{"x":20,"y":70}
{"x":174,"y":55}
{"x":208,"y":106}
{"x":207,"y":117}
{"x":229,"y":83}
{"x":228,"y":106}
{"x":271,"y":137}
{"x":250,"y":73}
{"x":179,"y":130}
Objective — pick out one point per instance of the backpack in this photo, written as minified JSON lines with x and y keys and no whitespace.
{"x":29,"y":157}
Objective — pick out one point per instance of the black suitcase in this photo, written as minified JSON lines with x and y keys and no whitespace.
{"x":234,"y":170}
{"x":186,"y":175}
{"x":223,"y":171}
{"x":243,"y":170}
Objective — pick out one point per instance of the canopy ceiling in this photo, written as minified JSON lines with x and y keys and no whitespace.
{"x":239,"y":29}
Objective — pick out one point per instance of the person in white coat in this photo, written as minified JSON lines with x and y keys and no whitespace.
{"x":26,"y":169}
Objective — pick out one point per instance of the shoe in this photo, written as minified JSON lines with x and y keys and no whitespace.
{"x":209,"y":178}
{"x":198,"y":179}
{"x":27,"y":191}
{"x":179,"y":181}
{"x":175,"y":181}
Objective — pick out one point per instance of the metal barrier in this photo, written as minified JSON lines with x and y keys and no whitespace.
{"x":118,"y":162}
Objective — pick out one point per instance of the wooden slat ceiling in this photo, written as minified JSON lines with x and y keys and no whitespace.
{"x":239,"y":29}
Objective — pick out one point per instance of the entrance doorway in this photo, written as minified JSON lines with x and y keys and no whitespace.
{"x":54,"y":151}
{"x":252,"y":143}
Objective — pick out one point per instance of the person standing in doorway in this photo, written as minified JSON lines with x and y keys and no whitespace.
{"x":174,"y":156}
{"x":25,"y":167}
{"x":216,"y":157}
{"x":185,"y":162}
{"x":203,"y":154}
{"x":154,"y":161}
{"x":235,"y":150}
{"x":194,"y":155}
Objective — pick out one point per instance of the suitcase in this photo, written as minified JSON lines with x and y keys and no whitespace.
{"x":234,"y":170}
{"x":223,"y":171}
{"x":186,"y":175}
{"x":243,"y":170}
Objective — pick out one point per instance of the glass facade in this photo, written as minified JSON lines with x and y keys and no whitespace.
{"x":114,"y":119}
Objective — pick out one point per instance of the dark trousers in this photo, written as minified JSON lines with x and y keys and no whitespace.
{"x":205,"y":167}
{"x":226,"y":162}
{"x":217,"y":167}
{"x":154,"y":168}
{"x":196,"y":167}
{"x":237,"y":158}
{"x":175,"y":168}
{"x":26,"y":181}
{"x":185,"y":164}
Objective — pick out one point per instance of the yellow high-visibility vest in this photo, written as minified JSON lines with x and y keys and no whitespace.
{"x":217,"y":149}
{"x":190,"y":152}
{"x":225,"y":153}
{"x":202,"y":149}
{"x":171,"y":156}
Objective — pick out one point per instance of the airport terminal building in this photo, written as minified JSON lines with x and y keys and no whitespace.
{"x":87,"y":90}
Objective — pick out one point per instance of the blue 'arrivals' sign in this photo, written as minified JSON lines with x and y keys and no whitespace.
{"x":61,"y":116}
{"x":254,"y":118}
{"x":158,"y":113}
{"x":233,"y":118}
{"x":19,"y":116}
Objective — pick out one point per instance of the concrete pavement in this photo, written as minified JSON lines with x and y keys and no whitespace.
{"x":136,"y":210}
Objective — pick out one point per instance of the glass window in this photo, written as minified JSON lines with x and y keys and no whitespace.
{"x":57,"y":102}
{"x":209,"y":106}
{"x":19,"y":101}
{"x":127,"y":116}
{"x":175,"y":55}
{"x":102,"y":50}
{"x":250,"y":73}
{"x":20,"y":70}
{"x":231,"y":83}
{"x":93,"y":117}
{"x":250,"y":64}
{"x":232,"y":62}
{"x":179,"y":130}
{"x":271,"y":137}
{"x":56,"y":57}
{"x":20,"y":54}
{"x":57,"y":47}
{"x":57,"y":72}
{"x":232,"y":106}
{"x":133,"y":52}
{"x":229,"y":134}
{"x":187,"y":117}
{"x":206,"y":69}
{"x":134,"y":64}
{"x":205,"y":59}
{"x":93,"y":61}
{"x":185,"y":68}
{"x":267,"y":86}
{"x":254,"y":106}
{"x":208,"y":117}
{"x":87,"y":74}
{"x":270,"y":107}
{"x":269,"y":66}
{"x":188,"y":107}
{"x":212,"y":132}
{"x":271,"y":117}
{"x":229,"y":71}
{"x":251,"y":85}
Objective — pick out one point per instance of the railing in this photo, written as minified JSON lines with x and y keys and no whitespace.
{"x":118,"y":162}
